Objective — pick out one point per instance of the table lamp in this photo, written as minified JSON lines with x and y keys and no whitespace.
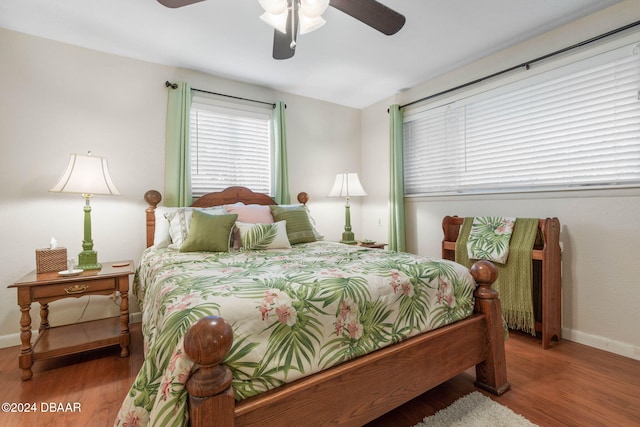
{"x":347,"y":185}
{"x":86,"y":175}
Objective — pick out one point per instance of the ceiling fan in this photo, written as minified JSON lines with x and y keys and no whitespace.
{"x":290,"y":17}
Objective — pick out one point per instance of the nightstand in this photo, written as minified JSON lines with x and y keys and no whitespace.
{"x":372,"y":245}
{"x":79,"y":337}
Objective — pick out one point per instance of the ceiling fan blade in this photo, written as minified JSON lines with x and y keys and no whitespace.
{"x":284,"y":45}
{"x":177,"y":3}
{"x":372,"y":13}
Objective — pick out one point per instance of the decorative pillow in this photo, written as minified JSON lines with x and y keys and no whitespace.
{"x":299,"y":228}
{"x":253,"y":214}
{"x":161,"y":236}
{"x":209,"y":233}
{"x":264,"y":236}
{"x":489,"y":238}
{"x":180,"y":221}
{"x":316,"y":233}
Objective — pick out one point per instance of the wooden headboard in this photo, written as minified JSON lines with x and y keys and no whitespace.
{"x":228,"y":196}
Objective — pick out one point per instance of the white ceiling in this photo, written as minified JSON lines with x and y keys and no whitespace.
{"x":344,"y":62}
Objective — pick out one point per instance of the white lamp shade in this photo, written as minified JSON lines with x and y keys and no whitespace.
{"x":277,"y":21}
{"x":308,"y":14}
{"x":274,"y":7}
{"x":313,"y":8}
{"x":86,"y":174}
{"x":310,"y":24}
{"x":347,"y":185}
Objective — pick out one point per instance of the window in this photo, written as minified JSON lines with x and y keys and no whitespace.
{"x":230,"y":145}
{"x":574,"y":127}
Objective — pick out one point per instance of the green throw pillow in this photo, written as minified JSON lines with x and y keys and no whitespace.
{"x":209,"y":233}
{"x":299,"y":227}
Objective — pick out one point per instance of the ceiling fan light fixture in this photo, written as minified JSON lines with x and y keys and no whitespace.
{"x":277,"y":21}
{"x":310,"y":24}
{"x":274,"y":7}
{"x":313,"y":8}
{"x":307,"y":13}
{"x":293,"y":17}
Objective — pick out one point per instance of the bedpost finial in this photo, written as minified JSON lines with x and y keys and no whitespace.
{"x":212,"y":333}
{"x":484,"y":273}
{"x":152,"y":197}
{"x":303,"y":198}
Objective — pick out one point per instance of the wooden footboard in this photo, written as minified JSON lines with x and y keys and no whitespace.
{"x":362,"y":389}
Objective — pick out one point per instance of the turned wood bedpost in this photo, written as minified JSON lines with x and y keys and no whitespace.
{"x":491,"y":374}
{"x":152,"y":197}
{"x":211,"y":401}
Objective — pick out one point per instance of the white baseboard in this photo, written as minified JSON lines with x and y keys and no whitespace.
{"x":602,"y":343}
{"x":135,"y":317}
{"x":14,"y":339}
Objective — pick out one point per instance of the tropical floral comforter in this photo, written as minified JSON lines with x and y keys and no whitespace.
{"x":293,"y":312}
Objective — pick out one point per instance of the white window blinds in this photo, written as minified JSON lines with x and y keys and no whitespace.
{"x":575,"y":127}
{"x":229,"y":146}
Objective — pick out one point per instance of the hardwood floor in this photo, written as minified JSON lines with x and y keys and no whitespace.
{"x":567,"y":385}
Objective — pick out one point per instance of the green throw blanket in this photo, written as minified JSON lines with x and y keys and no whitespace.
{"x":515,"y":278}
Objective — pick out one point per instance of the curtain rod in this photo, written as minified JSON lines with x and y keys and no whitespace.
{"x":175,"y":86}
{"x":527,"y":64}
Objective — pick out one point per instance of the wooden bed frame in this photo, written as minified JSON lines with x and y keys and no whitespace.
{"x":357,"y":391}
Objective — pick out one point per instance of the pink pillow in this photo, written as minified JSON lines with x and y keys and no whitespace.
{"x":253,"y":214}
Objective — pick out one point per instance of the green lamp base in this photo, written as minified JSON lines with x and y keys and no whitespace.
{"x":348,"y":238}
{"x":88,"y":260}
{"x":347,"y":235}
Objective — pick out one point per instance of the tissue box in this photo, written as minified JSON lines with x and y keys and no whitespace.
{"x":51,"y":260}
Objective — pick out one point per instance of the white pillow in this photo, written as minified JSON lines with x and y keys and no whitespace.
{"x":161,"y":236}
{"x":263,"y":236}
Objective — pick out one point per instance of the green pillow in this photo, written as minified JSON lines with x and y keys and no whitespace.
{"x":299,"y":227}
{"x":209,"y":233}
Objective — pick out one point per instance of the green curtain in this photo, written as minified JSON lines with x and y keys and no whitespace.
{"x":396,"y":195}
{"x":281,"y":168}
{"x":177,"y":166}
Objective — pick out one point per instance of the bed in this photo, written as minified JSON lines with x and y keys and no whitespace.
{"x":330,"y":351}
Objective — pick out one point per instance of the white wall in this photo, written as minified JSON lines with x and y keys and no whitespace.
{"x":58,"y":99}
{"x":601,"y":296}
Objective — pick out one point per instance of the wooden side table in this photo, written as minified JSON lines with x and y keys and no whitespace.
{"x":79,"y":337}
{"x":372,"y":245}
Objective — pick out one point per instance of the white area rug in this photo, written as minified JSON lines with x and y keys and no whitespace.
{"x":475,"y":410}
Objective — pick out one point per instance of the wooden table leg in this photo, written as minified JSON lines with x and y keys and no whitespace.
{"x":44,"y":317}
{"x":124,"y":316}
{"x":25,"y":360}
